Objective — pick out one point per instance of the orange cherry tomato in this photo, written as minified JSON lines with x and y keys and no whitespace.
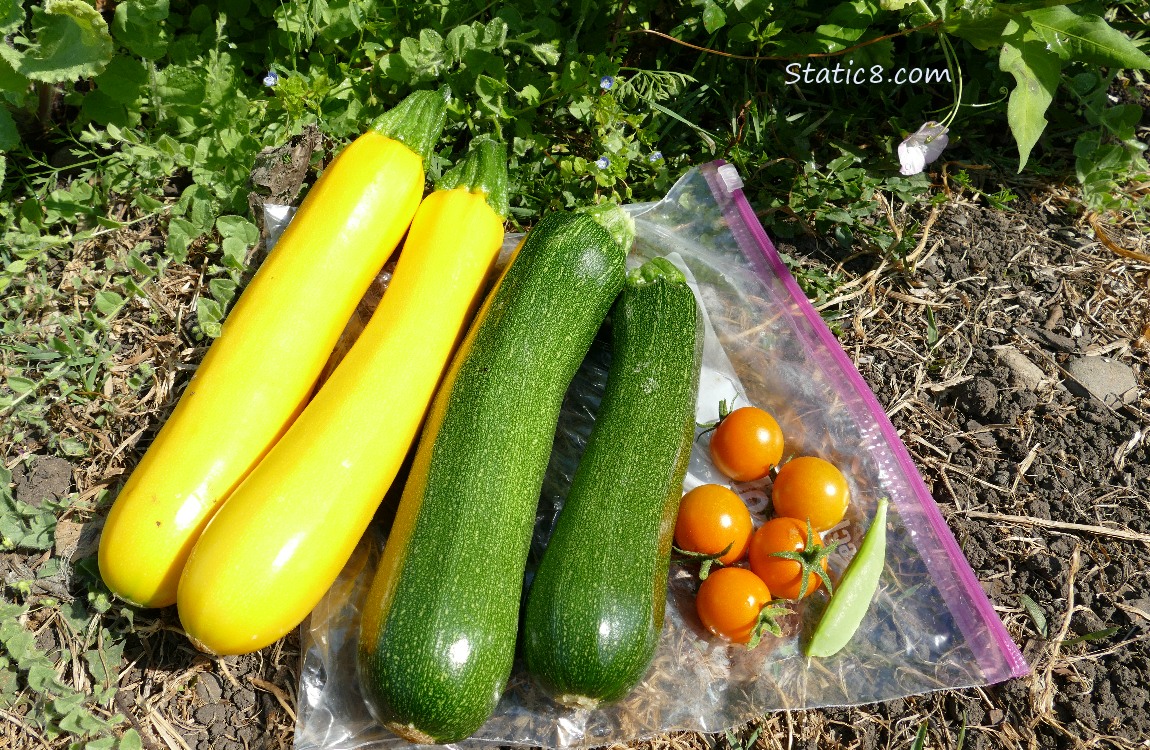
{"x":784,"y":577}
{"x":711,"y":519}
{"x":729,"y":602}
{"x":811,"y":488}
{"x":747,"y":444}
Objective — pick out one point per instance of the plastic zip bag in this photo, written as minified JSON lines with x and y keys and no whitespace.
{"x":930,"y":626}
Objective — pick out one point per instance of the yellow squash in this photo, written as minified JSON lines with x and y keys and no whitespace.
{"x":281,"y":539}
{"x":259,"y":373}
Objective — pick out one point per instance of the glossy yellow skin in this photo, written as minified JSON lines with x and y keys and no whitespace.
{"x":259,"y":373}
{"x":281,"y":539}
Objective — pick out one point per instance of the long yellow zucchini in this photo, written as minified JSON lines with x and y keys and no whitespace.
{"x":259,"y":373}
{"x":281,"y":539}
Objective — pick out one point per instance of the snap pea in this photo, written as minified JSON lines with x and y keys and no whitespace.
{"x":853,"y":595}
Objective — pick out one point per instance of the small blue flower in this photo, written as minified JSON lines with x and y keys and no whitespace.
{"x":606,"y":82}
{"x":603,"y":162}
{"x":655,"y":156}
{"x":271,"y":79}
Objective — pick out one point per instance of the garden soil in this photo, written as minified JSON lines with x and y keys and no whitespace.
{"x":1011,"y":348}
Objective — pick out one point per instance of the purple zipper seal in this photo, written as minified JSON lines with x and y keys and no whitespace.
{"x":980,"y":625}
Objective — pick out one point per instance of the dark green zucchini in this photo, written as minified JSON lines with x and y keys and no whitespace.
{"x":439,"y":624}
{"x":595,"y":608}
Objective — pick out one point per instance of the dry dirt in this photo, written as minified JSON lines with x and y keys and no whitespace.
{"x":1025,"y":405}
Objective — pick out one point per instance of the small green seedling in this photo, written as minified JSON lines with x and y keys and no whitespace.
{"x":852,"y":598}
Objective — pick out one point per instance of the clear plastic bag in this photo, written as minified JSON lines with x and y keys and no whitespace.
{"x":930,"y":626}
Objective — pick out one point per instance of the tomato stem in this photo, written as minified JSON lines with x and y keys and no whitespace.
{"x":724,"y":412}
{"x":810,"y":559}
{"x":768,"y":621}
{"x":708,"y":559}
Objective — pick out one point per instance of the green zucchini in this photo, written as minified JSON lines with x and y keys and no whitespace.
{"x":595,"y":608}
{"x":439,"y":625}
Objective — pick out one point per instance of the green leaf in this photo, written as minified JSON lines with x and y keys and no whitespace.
{"x":103,"y":109}
{"x":1086,"y":38}
{"x":208,"y":315}
{"x":182,"y":87}
{"x":104,"y":663}
{"x":71,"y":42}
{"x":713,"y":17}
{"x":223,"y":290}
{"x":546,"y":53}
{"x":846,"y":24}
{"x":131,"y":741}
{"x":123,"y":80}
{"x":11,"y":16}
{"x":1034,"y":611}
{"x":9,"y":135}
{"x":983,"y":32}
{"x":108,"y":303}
{"x":490,"y":91}
{"x":139,"y":26}
{"x":181,"y":233}
{"x":235,"y":252}
{"x":459,"y":40}
{"x":10,"y":80}
{"x":238,"y":227}
{"x":1036,"y":71}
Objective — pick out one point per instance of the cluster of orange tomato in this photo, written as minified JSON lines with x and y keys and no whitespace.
{"x":785,"y":554}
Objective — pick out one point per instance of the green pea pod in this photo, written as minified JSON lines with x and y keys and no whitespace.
{"x":852,"y":597}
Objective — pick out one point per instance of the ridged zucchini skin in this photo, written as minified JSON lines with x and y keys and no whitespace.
{"x":596,"y":604}
{"x":440,"y":621}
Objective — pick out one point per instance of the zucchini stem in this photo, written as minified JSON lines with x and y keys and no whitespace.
{"x":483,"y":170}
{"x":416,"y":122}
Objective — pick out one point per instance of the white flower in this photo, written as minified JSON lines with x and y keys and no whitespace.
{"x":922,"y":147}
{"x":603,"y":162}
{"x":271,"y":79}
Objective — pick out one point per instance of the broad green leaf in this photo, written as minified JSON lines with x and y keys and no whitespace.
{"x":235,"y":252}
{"x":546,"y":53}
{"x":71,"y":41}
{"x":1086,"y":38}
{"x":108,"y":303}
{"x":181,"y":233}
{"x":180,"y":86}
{"x":983,"y":32}
{"x":131,"y":741}
{"x":123,"y":80}
{"x":713,"y":17}
{"x":494,"y":35}
{"x":529,"y":95}
{"x":209,"y":313}
{"x":1036,"y":71}
{"x":20,"y":384}
{"x":9,"y":135}
{"x":139,"y":26}
{"x":742,"y":32}
{"x":10,"y":79}
{"x":458,"y":41}
{"x":104,"y":664}
{"x":238,"y":227}
{"x":11,"y":16}
{"x":104,"y":110}
{"x":846,"y":24}
{"x":223,"y":290}
{"x":3,"y":172}
{"x":490,"y":91}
